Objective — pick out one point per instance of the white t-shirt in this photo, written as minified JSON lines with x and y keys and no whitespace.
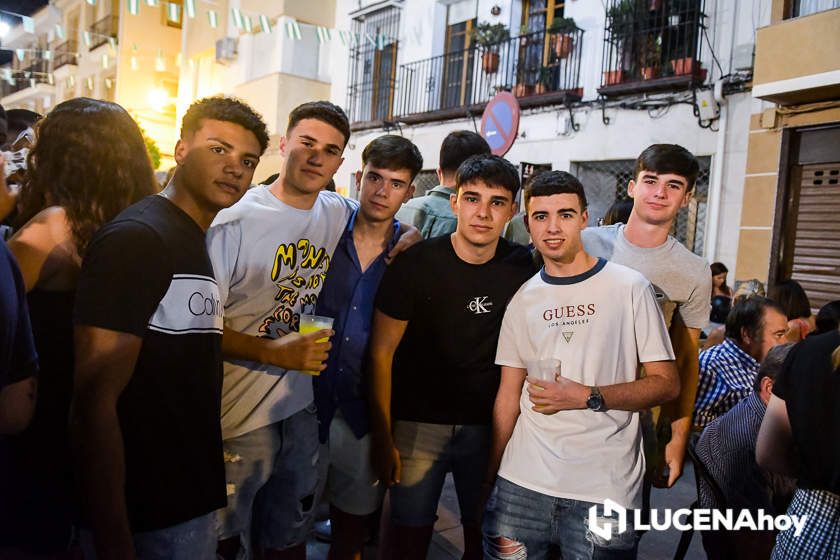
{"x":270,"y":261}
{"x":599,"y":325}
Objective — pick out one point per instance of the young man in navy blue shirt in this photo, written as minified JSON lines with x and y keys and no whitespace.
{"x":390,"y":164}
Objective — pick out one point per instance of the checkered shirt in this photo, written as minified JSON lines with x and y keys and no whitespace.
{"x":727,"y":374}
{"x":820,"y":537}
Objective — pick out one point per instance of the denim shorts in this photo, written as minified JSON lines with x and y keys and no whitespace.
{"x":520,"y":523}
{"x":191,"y":540}
{"x":274,"y":481}
{"x":427,"y":453}
{"x":352,"y":486}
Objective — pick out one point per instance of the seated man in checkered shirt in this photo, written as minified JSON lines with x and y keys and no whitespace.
{"x":754,"y":326}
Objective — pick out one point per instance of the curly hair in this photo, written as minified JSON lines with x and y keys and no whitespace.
{"x":228,"y":109}
{"x":89,"y":158}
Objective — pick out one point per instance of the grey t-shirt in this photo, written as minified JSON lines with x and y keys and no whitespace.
{"x":682,"y":280}
{"x":270,"y":261}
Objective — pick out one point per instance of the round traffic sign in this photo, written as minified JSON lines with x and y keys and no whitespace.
{"x":500,"y":122}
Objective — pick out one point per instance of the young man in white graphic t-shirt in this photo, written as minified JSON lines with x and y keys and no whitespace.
{"x":566,"y":426}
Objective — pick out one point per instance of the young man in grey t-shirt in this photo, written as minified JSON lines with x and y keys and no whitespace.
{"x":663,"y":183}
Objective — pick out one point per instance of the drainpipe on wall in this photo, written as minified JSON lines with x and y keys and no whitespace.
{"x":715,"y":199}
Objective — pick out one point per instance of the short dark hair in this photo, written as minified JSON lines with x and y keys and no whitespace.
{"x":323,"y":111}
{"x":793,"y":299}
{"x":555,"y":182}
{"x":772,"y":364}
{"x":493,"y":170}
{"x":828,"y":317}
{"x":393,"y":152}
{"x":458,"y":146}
{"x":748,"y":313}
{"x":228,"y":109}
{"x":668,"y":158}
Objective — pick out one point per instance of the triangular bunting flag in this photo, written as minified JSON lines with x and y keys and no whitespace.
{"x":247,"y":25}
{"x":237,"y":17}
{"x":173,"y":12}
{"x":86,"y":38}
{"x":90,"y":83}
{"x":213,"y":18}
{"x":265,"y":24}
{"x":112,"y":41}
{"x":47,"y":55}
{"x":105,"y":61}
{"x":51,"y":79}
{"x":134,"y":65}
{"x":91,"y":2}
{"x":108,"y":83}
{"x":152,"y":3}
{"x":293,"y":30}
{"x":28,"y":24}
{"x":133,"y":7}
{"x":59,"y":31}
{"x":21,"y":53}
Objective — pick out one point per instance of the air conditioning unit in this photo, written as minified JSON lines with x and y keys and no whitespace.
{"x":226,"y":50}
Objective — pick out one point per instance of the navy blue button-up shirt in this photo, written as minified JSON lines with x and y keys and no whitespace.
{"x":347,"y":296}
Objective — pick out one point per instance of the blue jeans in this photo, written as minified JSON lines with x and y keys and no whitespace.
{"x":428,"y":452}
{"x":520,"y":523}
{"x":191,"y":540}
{"x":274,"y":478}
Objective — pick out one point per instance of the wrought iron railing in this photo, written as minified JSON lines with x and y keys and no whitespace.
{"x":37,"y":72}
{"x":102,"y":30}
{"x":543,"y":67}
{"x":649,"y":41}
{"x":65,"y":53}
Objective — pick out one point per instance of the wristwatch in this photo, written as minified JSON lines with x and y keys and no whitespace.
{"x":596,"y":400}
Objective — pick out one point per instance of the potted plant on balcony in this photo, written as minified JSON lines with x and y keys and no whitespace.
{"x":544,"y":81}
{"x":489,"y":36}
{"x":620,"y":19}
{"x":563,"y":29}
{"x":651,"y":57}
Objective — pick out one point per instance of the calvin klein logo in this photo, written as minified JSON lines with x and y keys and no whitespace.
{"x":480,"y":305}
{"x":199,"y":304}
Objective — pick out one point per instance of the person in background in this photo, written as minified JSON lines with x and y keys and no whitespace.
{"x":432,"y":214}
{"x":728,"y":370}
{"x":19,"y":121}
{"x":793,"y":299}
{"x":719,"y":286}
{"x":618,"y":213}
{"x":727,"y":450}
{"x":73,"y":187}
{"x":798,"y":438}
{"x":828,"y":318}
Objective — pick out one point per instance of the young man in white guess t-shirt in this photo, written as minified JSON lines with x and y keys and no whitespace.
{"x":565,"y":423}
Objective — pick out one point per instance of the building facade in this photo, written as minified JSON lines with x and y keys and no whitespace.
{"x":101,"y":50}
{"x":596,"y":83}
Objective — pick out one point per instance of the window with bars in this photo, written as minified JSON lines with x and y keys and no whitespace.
{"x":373,"y":65}
{"x":606,"y":181}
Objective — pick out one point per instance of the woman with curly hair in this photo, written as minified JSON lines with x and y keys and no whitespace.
{"x":89,"y":162}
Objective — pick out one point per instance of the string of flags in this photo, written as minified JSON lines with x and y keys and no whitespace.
{"x":242,"y":21}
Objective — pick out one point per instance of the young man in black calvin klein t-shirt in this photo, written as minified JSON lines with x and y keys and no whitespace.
{"x":432,"y":350}
{"x":146,"y":402}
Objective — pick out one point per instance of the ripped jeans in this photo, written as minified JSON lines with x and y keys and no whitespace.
{"x":520,"y":523}
{"x":275,"y":478}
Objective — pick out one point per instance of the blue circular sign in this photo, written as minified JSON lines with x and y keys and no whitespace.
{"x":500,"y":122}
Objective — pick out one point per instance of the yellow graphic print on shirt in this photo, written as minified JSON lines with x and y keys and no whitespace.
{"x":299,"y":271}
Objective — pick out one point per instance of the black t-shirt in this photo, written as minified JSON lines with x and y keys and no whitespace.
{"x":444,"y":370}
{"x":148,"y":273}
{"x":810,"y":387}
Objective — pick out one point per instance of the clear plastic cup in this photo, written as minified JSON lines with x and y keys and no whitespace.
{"x":313,"y":323}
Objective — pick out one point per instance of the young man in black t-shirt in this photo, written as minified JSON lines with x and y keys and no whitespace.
{"x":148,"y":377}
{"x":432,"y":348}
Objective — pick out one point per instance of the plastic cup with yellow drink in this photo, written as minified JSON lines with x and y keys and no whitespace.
{"x":311,"y":324}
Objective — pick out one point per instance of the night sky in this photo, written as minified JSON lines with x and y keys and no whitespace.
{"x":24,"y":7}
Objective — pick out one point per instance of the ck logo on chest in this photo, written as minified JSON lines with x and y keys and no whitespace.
{"x":479,"y":305}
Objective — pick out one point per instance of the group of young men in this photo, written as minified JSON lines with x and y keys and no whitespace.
{"x":516,"y":370}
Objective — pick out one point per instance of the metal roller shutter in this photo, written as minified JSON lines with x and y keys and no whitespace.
{"x":816,"y":253}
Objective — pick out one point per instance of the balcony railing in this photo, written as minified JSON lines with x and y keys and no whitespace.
{"x":37,"y":72}
{"x":652,"y":44}
{"x":539,"y":68}
{"x":102,"y":30}
{"x":65,"y":53}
